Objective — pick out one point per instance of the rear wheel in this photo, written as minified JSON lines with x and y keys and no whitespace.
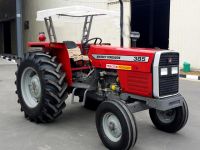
{"x":41,"y":87}
{"x":171,"y":120}
{"x":116,"y":125}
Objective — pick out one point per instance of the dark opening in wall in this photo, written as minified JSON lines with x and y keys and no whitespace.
{"x":7,"y":37}
{"x":8,"y":26}
{"x":151,"y":18}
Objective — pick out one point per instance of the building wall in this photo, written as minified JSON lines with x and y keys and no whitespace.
{"x":7,"y":9}
{"x":104,"y":28}
{"x":185,"y":30}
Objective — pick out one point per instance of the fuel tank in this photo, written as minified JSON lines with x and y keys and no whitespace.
{"x":134,"y":67}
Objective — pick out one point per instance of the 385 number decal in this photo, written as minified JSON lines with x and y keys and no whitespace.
{"x":140,"y":59}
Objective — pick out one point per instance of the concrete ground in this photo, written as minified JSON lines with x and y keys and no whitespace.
{"x":75,"y":130}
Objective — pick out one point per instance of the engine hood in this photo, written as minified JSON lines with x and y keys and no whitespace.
{"x":132,"y":59}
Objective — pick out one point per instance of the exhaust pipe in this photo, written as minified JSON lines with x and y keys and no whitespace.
{"x":121,"y":23}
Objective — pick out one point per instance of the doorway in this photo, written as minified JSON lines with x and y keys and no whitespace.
{"x":152,"y":19}
{"x":7,"y":37}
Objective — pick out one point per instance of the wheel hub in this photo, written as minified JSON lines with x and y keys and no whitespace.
{"x":112,"y":127}
{"x":31,"y":87}
{"x":35,"y":87}
{"x":166,"y":116}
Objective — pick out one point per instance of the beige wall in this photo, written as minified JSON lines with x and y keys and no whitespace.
{"x":105,"y":28}
{"x":185,"y":30}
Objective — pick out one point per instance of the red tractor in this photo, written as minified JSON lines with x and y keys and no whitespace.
{"x":120,"y":81}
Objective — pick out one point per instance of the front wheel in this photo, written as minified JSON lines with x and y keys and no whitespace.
{"x":172,"y":120}
{"x":116,"y":125}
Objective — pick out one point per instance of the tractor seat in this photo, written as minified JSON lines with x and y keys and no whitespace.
{"x":75,"y":52}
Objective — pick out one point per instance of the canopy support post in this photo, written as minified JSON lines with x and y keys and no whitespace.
{"x":50,"y":29}
{"x":86,"y":29}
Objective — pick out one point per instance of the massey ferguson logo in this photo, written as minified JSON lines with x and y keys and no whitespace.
{"x":170,"y":60}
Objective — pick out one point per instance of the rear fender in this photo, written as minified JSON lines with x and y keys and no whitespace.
{"x":39,"y":44}
{"x":60,"y":51}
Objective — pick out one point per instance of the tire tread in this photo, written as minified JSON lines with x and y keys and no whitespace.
{"x":55,"y":87}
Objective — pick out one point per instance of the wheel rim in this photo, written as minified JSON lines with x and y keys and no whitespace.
{"x":166,"y":116}
{"x":112,"y":127}
{"x":31,"y":87}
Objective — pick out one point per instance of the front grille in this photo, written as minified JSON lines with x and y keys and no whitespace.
{"x":167,"y":59}
{"x":169,"y":85}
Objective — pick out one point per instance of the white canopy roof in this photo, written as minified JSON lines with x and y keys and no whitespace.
{"x":75,"y":13}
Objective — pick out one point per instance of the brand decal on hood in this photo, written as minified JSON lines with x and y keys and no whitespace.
{"x":122,"y":58}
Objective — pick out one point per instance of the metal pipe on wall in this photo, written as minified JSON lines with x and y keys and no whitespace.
{"x":19,"y":28}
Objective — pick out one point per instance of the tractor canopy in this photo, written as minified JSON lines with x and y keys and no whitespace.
{"x":76,"y":14}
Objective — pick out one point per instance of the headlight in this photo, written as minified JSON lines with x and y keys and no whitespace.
{"x":164,"y":71}
{"x":174,"y":70}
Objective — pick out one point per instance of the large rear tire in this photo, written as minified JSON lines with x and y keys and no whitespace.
{"x":41,"y":87}
{"x":116,"y":125}
{"x":170,"y":121}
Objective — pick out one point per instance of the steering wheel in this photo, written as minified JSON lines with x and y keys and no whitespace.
{"x":95,"y":41}
{"x":86,"y":44}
